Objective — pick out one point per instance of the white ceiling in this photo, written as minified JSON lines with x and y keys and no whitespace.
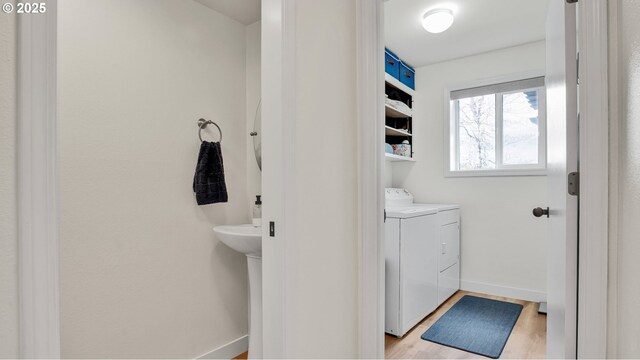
{"x":479,"y":26}
{"x":244,"y":11}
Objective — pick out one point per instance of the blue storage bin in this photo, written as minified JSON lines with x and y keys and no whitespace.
{"x":391,"y":64}
{"x":407,"y":75}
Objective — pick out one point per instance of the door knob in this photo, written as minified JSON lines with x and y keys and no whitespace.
{"x":538,"y":212}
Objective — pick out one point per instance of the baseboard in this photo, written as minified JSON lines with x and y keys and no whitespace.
{"x":229,"y":350}
{"x":497,"y":290}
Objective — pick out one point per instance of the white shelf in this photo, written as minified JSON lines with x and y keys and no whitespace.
{"x":395,"y":113}
{"x":394,"y":158}
{"x":388,"y":130}
{"x":397,"y":84}
{"x":392,"y":112}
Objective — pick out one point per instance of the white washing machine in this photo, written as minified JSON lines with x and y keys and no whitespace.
{"x":421,"y":253}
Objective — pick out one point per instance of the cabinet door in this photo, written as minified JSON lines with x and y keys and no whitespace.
{"x":449,"y":279}
{"x":418,"y":269}
{"x":448,"y":283}
{"x":449,"y":245}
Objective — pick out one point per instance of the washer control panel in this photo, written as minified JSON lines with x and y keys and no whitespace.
{"x":395,"y":197}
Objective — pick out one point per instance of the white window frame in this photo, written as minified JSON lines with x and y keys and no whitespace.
{"x":452,"y":138}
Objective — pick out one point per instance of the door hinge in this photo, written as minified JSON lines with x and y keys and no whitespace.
{"x":385,"y":215}
{"x":573,"y":183}
{"x":272,"y":228}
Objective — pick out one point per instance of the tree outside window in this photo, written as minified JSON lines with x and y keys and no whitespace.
{"x":500,"y":130}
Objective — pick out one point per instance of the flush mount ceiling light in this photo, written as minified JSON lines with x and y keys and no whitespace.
{"x":437,"y":20}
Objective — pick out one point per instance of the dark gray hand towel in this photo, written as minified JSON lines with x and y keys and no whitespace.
{"x":208,"y":183}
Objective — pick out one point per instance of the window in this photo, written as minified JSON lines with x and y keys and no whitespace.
{"x":497,"y":129}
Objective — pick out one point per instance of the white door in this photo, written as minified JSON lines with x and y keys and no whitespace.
{"x":276,"y":129}
{"x":561,"y":82}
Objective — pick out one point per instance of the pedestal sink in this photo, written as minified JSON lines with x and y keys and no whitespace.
{"x":247,"y":239}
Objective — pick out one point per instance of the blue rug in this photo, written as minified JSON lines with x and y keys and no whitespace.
{"x":477,"y":325}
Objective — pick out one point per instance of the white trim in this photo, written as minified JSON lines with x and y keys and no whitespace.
{"x":542,"y":126}
{"x":614,"y":166}
{"x":499,"y":134}
{"x":228,"y":350}
{"x":594,"y":185}
{"x":38,"y":238}
{"x":495,"y":173}
{"x":505,"y":291}
{"x":278,"y":117}
{"x":370,"y":112}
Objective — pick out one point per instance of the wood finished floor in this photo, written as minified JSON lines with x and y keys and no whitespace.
{"x":528,"y":339}
{"x":244,"y":355}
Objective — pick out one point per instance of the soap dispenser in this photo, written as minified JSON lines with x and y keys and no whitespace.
{"x":257,"y":212}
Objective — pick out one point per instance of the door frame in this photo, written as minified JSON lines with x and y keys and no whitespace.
{"x":593,"y":209}
{"x":371,"y":163}
{"x":278,"y":49}
{"x":37,"y":173}
{"x":593,"y":225}
{"x":278,"y":170}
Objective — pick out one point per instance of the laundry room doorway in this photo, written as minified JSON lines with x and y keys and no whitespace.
{"x":556,"y":103}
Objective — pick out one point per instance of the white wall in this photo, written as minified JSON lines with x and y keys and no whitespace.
{"x":388,"y":173}
{"x":323,"y":300}
{"x":624,"y":268}
{"x":8,"y":200}
{"x":503,"y":245}
{"x":253,"y":42}
{"x":142,"y":275}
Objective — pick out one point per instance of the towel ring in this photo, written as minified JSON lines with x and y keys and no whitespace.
{"x":202,"y":124}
